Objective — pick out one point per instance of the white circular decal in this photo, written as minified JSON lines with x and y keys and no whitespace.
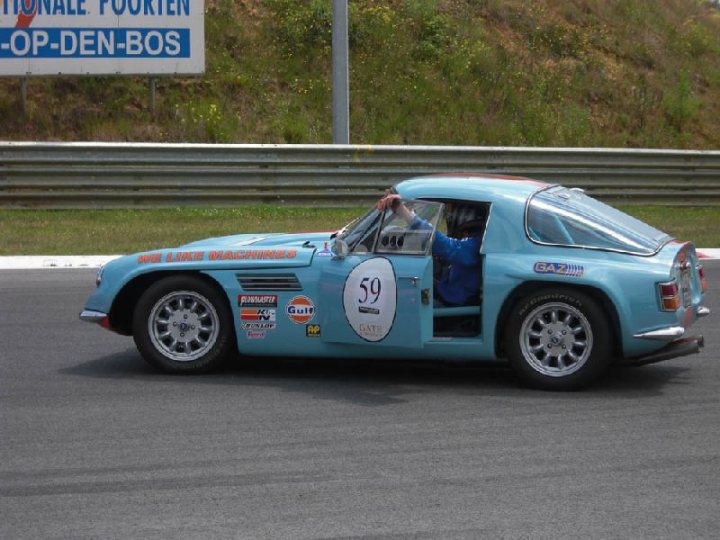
{"x":370,"y":298}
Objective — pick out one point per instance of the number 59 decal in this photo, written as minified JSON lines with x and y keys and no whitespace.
{"x":370,"y":298}
{"x":375,"y":286}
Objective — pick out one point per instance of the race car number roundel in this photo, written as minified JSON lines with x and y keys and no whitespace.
{"x":370,"y":298}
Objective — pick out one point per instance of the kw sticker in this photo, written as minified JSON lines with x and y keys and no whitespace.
{"x":257,"y":319}
{"x":263,"y":314}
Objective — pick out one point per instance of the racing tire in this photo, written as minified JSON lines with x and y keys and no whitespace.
{"x":558,"y":339}
{"x":182,"y":324}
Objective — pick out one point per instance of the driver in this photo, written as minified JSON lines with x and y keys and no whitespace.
{"x":460,"y":284}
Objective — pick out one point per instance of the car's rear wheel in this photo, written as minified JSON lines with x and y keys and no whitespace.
{"x":558,"y":339}
{"x":181,"y":324}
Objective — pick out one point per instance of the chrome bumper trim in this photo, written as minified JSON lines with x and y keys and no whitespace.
{"x":92,"y":316}
{"x":664,"y":334}
{"x":703,"y":311}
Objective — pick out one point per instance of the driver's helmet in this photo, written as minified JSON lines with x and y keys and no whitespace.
{"x":464,"y":220}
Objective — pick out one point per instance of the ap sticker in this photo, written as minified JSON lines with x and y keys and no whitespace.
{"x":370,"y":299}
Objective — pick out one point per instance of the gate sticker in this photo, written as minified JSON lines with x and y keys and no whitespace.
{"x":370,"y":299}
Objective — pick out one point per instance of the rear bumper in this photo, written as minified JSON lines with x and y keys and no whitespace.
{"x":674,"y":349}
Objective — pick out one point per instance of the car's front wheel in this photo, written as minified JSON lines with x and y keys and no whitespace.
{"x":558,"y":339}
{"x":181,"y":324}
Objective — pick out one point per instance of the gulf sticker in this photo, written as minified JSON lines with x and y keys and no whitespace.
{"x":300,"y":309}
{"x":370,"y":299}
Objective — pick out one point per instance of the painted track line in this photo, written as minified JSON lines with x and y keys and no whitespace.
{"x":34,"y":262}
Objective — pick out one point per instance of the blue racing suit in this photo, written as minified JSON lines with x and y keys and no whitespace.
{"x":461,"y":284}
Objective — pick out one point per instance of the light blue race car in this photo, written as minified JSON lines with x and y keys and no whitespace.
{"x":567,"y":284}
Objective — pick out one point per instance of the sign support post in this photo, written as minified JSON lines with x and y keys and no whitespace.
{"x":341,"y":85}
{"x":151,"y":95}
{"x":23,"y":95}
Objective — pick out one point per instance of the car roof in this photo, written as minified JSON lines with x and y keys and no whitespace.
{"x":469,"y":186}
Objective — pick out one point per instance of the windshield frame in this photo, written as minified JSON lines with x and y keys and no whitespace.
{"x":660,"y":240}
{"x":367,"y":228}
{"x":365,"y":221}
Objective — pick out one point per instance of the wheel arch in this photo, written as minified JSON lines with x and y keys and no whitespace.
{"x":522,"y":290}
{"x":123,"y":306}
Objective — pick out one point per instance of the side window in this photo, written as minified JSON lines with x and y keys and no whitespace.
{"x":462,"y":218}
{"x":399,"y":237}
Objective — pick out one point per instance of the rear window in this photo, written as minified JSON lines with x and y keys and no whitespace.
{"x":568,"y":217}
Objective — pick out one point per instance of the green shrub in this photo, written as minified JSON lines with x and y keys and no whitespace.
{"x":302,"y":25}
{"x":680,"y":104}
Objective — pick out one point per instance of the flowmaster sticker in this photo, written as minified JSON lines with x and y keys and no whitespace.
{"x":258,"y":300}
{"x":558,"y":268}
{"x":370,"y":298}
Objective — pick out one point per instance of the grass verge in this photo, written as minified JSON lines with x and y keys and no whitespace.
{"x":99,"y":232}
{"x":88,"y":232}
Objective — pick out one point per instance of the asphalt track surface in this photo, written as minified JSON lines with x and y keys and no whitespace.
{"x":94,"y":444}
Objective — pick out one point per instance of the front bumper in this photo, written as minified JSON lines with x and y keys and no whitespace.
{"x":93,"y":316}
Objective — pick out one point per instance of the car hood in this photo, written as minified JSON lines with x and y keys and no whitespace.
{"x":238,"y":241}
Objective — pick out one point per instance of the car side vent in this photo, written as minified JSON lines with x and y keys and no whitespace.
{"x":269,"y":282}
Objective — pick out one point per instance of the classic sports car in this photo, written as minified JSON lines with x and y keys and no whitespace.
{"x":568,"y":284}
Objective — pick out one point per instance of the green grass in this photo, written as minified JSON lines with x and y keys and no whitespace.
{"x":622,"y":73}
{"x":86,"y":232}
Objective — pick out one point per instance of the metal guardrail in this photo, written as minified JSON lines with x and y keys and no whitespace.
{"x":108,"y":175}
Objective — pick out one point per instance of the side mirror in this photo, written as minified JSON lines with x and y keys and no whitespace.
{"x":340,"y":249}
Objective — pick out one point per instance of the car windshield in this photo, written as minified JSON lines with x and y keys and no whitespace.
{"x":359,"y":228}
{"x":568,"y":217}
{"x":390,"y":232}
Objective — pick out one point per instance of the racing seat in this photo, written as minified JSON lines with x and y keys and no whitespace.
{"x":461,"y":321}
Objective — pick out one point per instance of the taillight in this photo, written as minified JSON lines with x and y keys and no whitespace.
{"x":703,"y":281}
{"x":669,"y":296}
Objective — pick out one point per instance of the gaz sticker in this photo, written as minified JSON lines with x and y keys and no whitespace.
{"x":559,"y":268}
{"x":370,"y":299}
